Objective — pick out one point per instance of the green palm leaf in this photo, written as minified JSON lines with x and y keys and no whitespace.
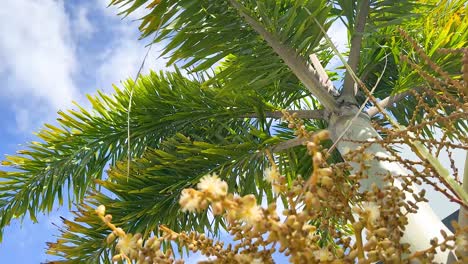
{"x":434,"y":31}
{"x":149,"y":197}
{"x":75,"y":153}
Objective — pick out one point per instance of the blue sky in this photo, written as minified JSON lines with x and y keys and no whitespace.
{"x":53,"y":52}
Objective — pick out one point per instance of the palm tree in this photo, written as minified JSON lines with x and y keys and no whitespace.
{"x":247,"y":61}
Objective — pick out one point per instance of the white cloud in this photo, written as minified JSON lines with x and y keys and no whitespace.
{"x":124,"y":57}
{"x":81,"y":23}
{"x":22,"y":119}
{"x":194,"y":258}
{"x":339,"y":36}
{"x":38,"y":56}
{"x":123,"y":60}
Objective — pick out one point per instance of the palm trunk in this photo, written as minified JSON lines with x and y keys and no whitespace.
{"x":424,"y":225}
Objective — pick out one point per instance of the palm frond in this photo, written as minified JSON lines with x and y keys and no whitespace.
{"x":74,"y":153}
{"x":82,"y":240}
{"x":429,"y":42}
{"x":149,"y":197}
{"x":381,"y":13}
{"x":201,"y":34}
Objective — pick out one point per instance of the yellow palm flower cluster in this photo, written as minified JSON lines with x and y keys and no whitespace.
{"x":212,"y":190}
{"x":326,"y":219}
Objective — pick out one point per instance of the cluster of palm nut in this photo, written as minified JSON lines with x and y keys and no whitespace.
{"x":324,"y":219}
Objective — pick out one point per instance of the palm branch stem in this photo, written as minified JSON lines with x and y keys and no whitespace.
{"x":322,"y":75}
{"x":305,"y":114}
{"x":297,"y":64}
{"x":290,"y":143}
{"x":388,"y":101}
{"x":356,"y":42}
